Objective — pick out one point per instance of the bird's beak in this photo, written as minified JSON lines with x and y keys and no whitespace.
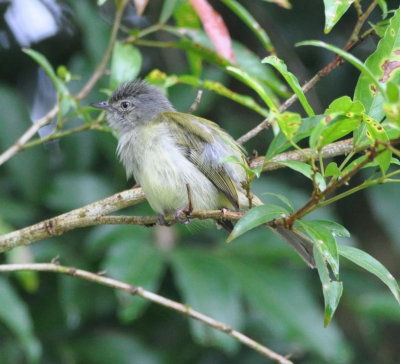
{"x":102,"y":105}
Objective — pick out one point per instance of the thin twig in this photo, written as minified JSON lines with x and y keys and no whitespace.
{"x":196,"y":102}
{"x":353,"y":41}
{"x":30,"y":132}
{"x":313,"y":202}
{"x":152,"y":297}
{"x":264,"y":125}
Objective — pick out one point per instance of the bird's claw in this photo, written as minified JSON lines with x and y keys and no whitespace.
{"x":182,"y":215}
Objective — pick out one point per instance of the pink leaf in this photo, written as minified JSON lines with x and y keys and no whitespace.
{"x":140,"y":5}
{"x":215,"y":28}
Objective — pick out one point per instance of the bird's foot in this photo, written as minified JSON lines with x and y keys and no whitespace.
{"x":182,"y":215}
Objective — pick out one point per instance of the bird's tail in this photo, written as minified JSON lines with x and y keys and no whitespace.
{"x":303,"y":245}
{"x":300,"y":242}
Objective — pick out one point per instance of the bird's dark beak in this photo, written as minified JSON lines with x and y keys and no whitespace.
{"x":102,"y":105}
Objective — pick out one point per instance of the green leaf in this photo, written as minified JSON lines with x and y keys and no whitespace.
{"x":332,"y":170}
{"x":351,"y":59}
{"x":337,"y":128}
{"x":282,"y":198}
{"x":324,"y":240}
{"x":251,"y":172}
{"x":289,"y":123}
{"x":136,"y":262}
{"x":251,"y":23}
{"x":256,"y":217}
{"x":332,"y":290}
{"x":209,"y":287}
{"x":335,"y":228}
{"x":346,"y":106}
{"x":126,"y":63}
{"x":186,"y":17}
{"x":292,"y":80}
{"x":200,"y":44}
{"x":45,"y":64}
{"x":375,"y":131}
{"x":254,"y":84}
{"x":383,"y":5}
{"x":280,"y":143}
{"x":15,"y":315}
{"x":369,"y":263}
{"x":384,"y":64}
{"x":167,"y":9}
{"x":334,"y":10}
{"x":306,"y":170}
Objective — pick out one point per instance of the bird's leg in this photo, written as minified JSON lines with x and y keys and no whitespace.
{"x":161,"y":220}
{"x":182,"y":214}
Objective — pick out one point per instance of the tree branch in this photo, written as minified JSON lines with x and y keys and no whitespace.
{"x":152,"y":297}
{"x":353,"y":41}
{"x":29,"y":133}
{"x":70,"y":220}
{"x":341,"y":147}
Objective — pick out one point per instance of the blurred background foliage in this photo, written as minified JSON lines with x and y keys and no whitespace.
{"x":265,"y":290}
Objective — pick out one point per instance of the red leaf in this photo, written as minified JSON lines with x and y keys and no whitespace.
{"x":215,"y":28}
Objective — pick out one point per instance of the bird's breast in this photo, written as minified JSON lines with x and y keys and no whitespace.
{"x":160,"y":166}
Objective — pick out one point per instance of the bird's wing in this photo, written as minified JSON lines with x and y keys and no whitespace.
{"x":194,"y":135}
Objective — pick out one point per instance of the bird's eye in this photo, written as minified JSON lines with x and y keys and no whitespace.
{"x":125,"y":104}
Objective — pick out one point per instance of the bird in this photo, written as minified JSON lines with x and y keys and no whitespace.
{"x":182,"y":161}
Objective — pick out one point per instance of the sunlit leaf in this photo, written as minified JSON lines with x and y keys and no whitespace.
{"x":334,"y":10}
{"x":384,"y":64}
{"x":289,"y":123}
{"x":126,"y":63}
{"x":254,"y":84}
{"x":292,"y":80}
{"x":375,"y":131}
{"x":346,"y":106}
{"x":351,"y":59}
{"x":332,"y":170}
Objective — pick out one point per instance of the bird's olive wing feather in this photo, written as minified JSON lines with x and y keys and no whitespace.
{"x":194,"y":135}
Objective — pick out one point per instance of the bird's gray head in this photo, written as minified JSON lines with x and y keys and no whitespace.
{"x":134,"y":103}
